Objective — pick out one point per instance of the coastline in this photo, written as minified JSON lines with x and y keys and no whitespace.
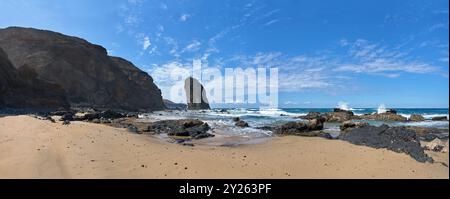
{"x":32,"y":148}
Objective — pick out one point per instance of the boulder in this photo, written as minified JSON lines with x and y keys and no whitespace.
{"x":339,"y":115}
{"x":87,"y":76}
{"x":416,"y":118}
{"x":398,"y":139}
{"x":428,"y":133}
{"x":347,"y":125}
{"x":311,"y":129}
{"x":391,"y":111}
{"x":436,"y":145}
{"x":195,"y":95}
{"x":385,"y":117}
{"x":193,"y":129}
{"x":241,"y":124}
{"x":311,"y":115}
{"x":439,"y":118}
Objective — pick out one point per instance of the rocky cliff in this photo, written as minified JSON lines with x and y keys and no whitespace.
{"x":21,"y":88}
{"x":89,"y":77}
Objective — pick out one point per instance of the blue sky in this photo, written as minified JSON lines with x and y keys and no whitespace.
{"x":364,"y":53}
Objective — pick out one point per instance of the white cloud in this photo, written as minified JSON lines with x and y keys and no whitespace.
{"x":184,"y":17}
{"x":146,"y":43}
{"x":193,"y":46}
{"x":369,"y":58}
{"x":271,"y":22}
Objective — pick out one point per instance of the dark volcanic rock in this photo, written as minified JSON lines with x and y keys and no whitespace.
{"x":174,"y":106}
{"x":398,"y":139}
{"x":339,"y":115}
{"x":241,"y":124}
{"x":311,"y":129}
{"x":392,"y":111}
{"x":416,"y":118}
{"x":440,"y":118}
{"x":194,"y":129}
{"x":385,"y":117}
{"x":195,"y":95}
{"x":89,"y":77}
{"x":347,"y":125}
{"x":21,"y":88}
{"x":311,"y":115}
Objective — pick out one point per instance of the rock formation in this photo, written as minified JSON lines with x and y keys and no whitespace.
{"x":172,"y":105}
{"x":195,"y":94}
{"x":398,"y":139}
{"x":21,"y":89}
{"x":416,"y":118}
{"x":89,"y":77}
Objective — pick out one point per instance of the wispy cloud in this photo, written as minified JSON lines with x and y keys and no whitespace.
{"x":184,"y":17}
{"x":146,"y":43}
{"x":271,"y":22}
{"x":372,"y":58}
{"x":193,"y":46}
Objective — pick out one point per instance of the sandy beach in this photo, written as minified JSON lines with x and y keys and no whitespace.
{"x":32,"y":148}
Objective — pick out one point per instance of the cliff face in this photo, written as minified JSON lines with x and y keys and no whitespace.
{"x":89,"y":77}
{"x":21,"y":88}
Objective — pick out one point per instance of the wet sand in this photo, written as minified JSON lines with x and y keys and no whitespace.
{"x":32,"y":148}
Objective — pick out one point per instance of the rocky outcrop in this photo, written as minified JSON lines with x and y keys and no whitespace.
{"x":416,"y":118}
{"x":339,"y":115}
{"x":436,"y":145}
{"x":22,"y":89}
{"x":385,"y":117}
{"x":195,"y":95}
{"x":174,"y":106}
{"x":89,"y":77}
{"x":240,"y":123}
{"x":440,"y":118}
{"x":310,"y":129}
{"x":347,"y":125}
{"x":188,"y":128}
{"x":398,"y":139}
{"x":428,"y":133}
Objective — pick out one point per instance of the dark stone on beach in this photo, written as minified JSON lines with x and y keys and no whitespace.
{"x":241,"y":124}
{"x":440,"y":118}
{"x":133,"y":129}
{"x":416,"y":118}
{"x":428,"y":133}
{"x":311,"y":129}
{"x":236,"y":119}
{"x":66,"y":122}
{"x":347,"y":125}
{"x":194,"y":129}
{"x":97,"y":121}
{"x":111,"y":114}
{"x":101,"y":116}
{"x":398,"y":139}
{"x":267,"y":128}
{"x":67,"y":117}
{"x":61,"y":71}
{"x":195,"y":95}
